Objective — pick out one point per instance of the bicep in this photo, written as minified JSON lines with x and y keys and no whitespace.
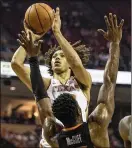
{"x":82,"y":75}
{"x":106,"y":97}
{"x":100,"y":115}
{"x":105,"y":106}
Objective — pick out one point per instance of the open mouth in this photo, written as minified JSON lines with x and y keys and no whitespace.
{"x":57,"y":62}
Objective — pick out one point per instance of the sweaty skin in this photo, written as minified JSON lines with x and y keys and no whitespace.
{"x":99,"y":119}
{"x":125,"y":130}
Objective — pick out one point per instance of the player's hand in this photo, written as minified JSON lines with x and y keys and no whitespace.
{"x":34,"y":36}
{"x":26,"y":41}
{"x":56,"y":26}
{"x":114,"y":31}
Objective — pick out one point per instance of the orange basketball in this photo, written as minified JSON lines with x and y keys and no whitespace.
{"x":39,"y":17}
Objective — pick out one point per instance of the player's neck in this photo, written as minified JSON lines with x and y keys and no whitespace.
{"x":63,"y":77}
{"x":76,"y":124}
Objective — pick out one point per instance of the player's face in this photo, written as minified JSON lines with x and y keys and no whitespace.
{"x":59,"y":62}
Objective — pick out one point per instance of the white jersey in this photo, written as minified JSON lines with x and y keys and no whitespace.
{"x":71,"y":86}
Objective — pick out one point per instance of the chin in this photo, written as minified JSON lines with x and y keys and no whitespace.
{"x":58,"y":70}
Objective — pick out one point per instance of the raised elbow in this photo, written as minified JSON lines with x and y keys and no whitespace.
{"x":14,"y":64}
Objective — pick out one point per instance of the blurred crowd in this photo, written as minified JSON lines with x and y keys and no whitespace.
{"x":18,"y":118}
{"x":79,"y":22}
{"x":14,"y":115}
{"x":22,"y":140}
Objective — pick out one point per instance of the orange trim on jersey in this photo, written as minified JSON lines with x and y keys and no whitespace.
{"x":71,"y":128}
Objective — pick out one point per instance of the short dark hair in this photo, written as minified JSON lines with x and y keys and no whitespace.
{"x":81,"y":49}
{"x":65,"y":108}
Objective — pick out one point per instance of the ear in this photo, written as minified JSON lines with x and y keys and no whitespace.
{"x":79,"y":111}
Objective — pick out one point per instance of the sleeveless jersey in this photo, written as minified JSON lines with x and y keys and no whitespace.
{"x":75,"y":137}
{"x":72,"y":87}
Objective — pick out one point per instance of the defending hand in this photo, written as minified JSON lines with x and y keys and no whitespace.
{"x":34,"y":36}
{"x":114,"y":31}
{"x":26,"y":41}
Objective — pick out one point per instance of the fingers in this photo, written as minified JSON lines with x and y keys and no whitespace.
{"x":21,"y":44}
{"x":121,"y":24}
{"x":22,"y":39}
{"x":111,"y":20}
{"x":58,"y":11}
{"x":107,"y":22}
{"x":53,"y":11}
{"x":24,"y":34}
{"x":115,"y":20}
{"x":101,"y":31}
{"x":39,"y":43}
{"x":111,"y":23}
{"x":30,"y":36}
{"x":57,"y":14}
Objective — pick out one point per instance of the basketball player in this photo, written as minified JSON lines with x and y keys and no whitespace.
{"x":125,"y":130}
{"x":65,"y":65}
{"x":94,"y":133}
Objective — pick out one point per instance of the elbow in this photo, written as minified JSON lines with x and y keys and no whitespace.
{"x":46,"y":111}
{"x":14,"y":64}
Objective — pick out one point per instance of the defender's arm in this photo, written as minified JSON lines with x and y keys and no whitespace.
{"x":105,"y":108}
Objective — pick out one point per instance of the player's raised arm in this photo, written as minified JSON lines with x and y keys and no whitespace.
{"x":105,"y":108}
{"x":71,"y":55}
{"x":17,"y":64}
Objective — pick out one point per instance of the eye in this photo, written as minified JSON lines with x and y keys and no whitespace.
{"x":62,"y":55}
{"x":53,"y":56}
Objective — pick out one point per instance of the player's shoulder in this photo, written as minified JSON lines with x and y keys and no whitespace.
{"x":125,"y":120}
{"x":124,"y":126}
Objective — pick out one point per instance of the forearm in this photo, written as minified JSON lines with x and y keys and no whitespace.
{"x":112,"y":64}
{"x":38,"y":86}
{"x":39,"y":90}
{"x":69,"y":52}
{"x":19,"y":56}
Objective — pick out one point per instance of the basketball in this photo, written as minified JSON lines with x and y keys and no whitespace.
{"x":39,"y":18}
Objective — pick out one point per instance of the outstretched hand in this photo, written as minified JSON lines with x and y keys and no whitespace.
{"x":56,"y":26}
{"x":114,"y":31}
{"x":26,"y":41}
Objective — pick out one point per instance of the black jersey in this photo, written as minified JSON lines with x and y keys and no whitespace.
{"x":75,"y":137}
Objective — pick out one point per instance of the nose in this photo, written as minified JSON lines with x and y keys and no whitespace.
{"x":57,"y":57}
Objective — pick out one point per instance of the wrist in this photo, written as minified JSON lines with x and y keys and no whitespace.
{"x":32,"y":55}
{"x":57,"y":32}
{"x":115,"y":42}
{"x":33,"y":60}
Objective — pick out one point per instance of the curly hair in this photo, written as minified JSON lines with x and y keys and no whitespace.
{"x":65,"y":108}
{"x":81,"y":49}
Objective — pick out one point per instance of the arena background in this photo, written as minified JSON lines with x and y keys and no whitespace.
{"x":80,"y":19}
